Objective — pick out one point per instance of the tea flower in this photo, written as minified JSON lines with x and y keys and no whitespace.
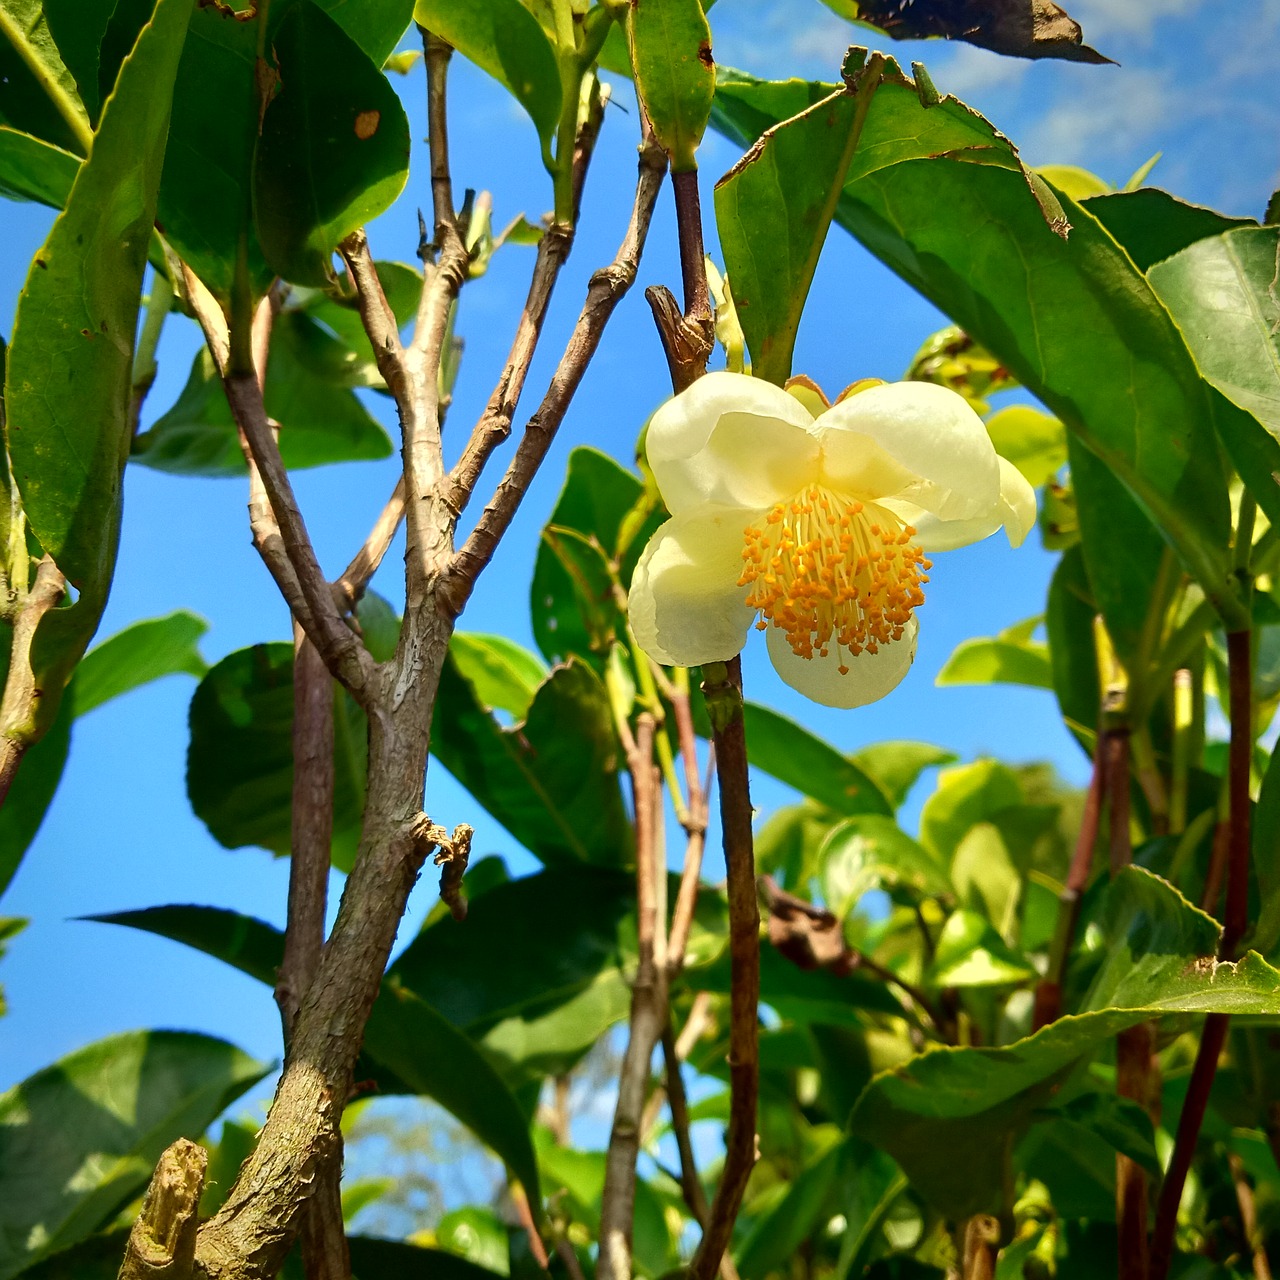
{"x":817,"y":529}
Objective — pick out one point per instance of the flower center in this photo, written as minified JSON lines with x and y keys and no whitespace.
{"x":822,"y":571}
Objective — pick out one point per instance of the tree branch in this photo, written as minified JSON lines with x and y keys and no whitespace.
{"x":724,"y":705}
{"x":162,"y":1241}
{"x":605,"y":291}
{"x":553,"y":250}
{"x":648,"y":1017}
{"x":18,"y":721}
{"x":1214,"y":1034}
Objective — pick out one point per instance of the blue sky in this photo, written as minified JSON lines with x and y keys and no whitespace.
{"x":1195,"y":81}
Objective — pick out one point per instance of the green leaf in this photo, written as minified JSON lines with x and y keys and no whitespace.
{"x":250,"y":945}
{"x":1072,"y":318}
{"x":603,"y":514}
{"x":980,"y":1101}
{"x":31,"y":169}
{"x":333,"y":150}
{"x":477,"y":1234}
{"x":1121,"y":586}
{"x":80,"y":1139}
{"x":551,"y":780}
{"x":435,"y":1059}
{"x":966,"y":794}
{"x":1266,"y":858}
{"x":240,"y":756}
{"x":1153,"y":225}
{"x":787,"y":751}
{"x":594,"y":929}
{"x":502,"y":673}
{"x":970,"y":953}
{"x":805,"y":995}
{"x":1221,"y":291}
{"x":1033,"y":441}
{"x":1069,"y":622}
{"x":504,"y":39}
{"x":78,"y":28}
{"x":873,"y":852}
{"x":373,"y":1259}
{"x":997,"y":661}
{"x":581,"y":1175}
{"x":70,"y":364}
{"x":97,"y":1258}
{"x":139,"y":654}
{"x":779,"y":1234}
{"x":321,"y":420}
{"x":895,"y":767}
{"x":773,"y":209}
{"x":40,"y":92}
{"x":33,"y":790}
{"x":675,"y":75}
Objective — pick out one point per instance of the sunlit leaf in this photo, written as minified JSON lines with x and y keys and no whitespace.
{"x":504,"y":39}
{"x":895,"y":767}
{"x":139,"y":654}
{"x":966,"y":794}
{"x":873,"y":852}
{"x":70,"y":364}
{"x":1033,"y":441}
{"x":80,"y":1139}
{"x":333,"y":147}
{"x":675,"y":76}
{"x":1153,"y":225}
{"x":41,"y":96}
{"x":970,"y":953}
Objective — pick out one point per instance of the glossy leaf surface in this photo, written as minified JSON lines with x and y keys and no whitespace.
{"x":79,"y":1140}
{"x":675,"y":76}
{"x":333,"y":149}
{"x":70,"y":362}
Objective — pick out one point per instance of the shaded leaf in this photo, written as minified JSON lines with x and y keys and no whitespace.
{"x":551,"y":780}
{"x":34,"y":170}
{"x":1153,"y":225}
{"x":1266,"y":858}
{"x":787,"y":751}
{"x":333,"y":148}
{"x":504,"y":39}
{"x":80,"y":1139}
{"x":306,"y":391}
{"x":675,"y":76}
{"x":436,"y":1060}
{"x":33,"y":790}
{"x":139,"y":654}
{"x":240,"y":755}
{"x":41,"y":96}
{"x":97,"y":1258}
{"x":981,"y":1100}
{"x":70,"y":364}
{"x":373,"y":1259}
{"x":1069,"y":622}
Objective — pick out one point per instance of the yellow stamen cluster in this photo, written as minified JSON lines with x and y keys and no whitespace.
{"x":822,"y":571}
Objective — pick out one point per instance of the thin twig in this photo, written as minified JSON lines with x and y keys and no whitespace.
{"x":690,"y":1184}
{"x":1048,"y":1005}
{"x":553,"y":249}
{"x":1249,"y":1218}
{"x":605,"y":291}
{"x":724,"y":700}
{"x":695,"y":830}
{"x":349,"y":588}
{"x":1214,"y":1034}
{"x":648,"y":1017}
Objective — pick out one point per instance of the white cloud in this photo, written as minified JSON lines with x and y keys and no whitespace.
{"x":1138,"y":20}
{"x":967,"y":71}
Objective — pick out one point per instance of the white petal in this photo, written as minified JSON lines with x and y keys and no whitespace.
{"x":1017,"y":503}
{"x":685,"y":604}
{"x":1015,"y":509}
{"x":915,"y":441}
{"x":869,"y":678}
{"x":731,"y":439}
